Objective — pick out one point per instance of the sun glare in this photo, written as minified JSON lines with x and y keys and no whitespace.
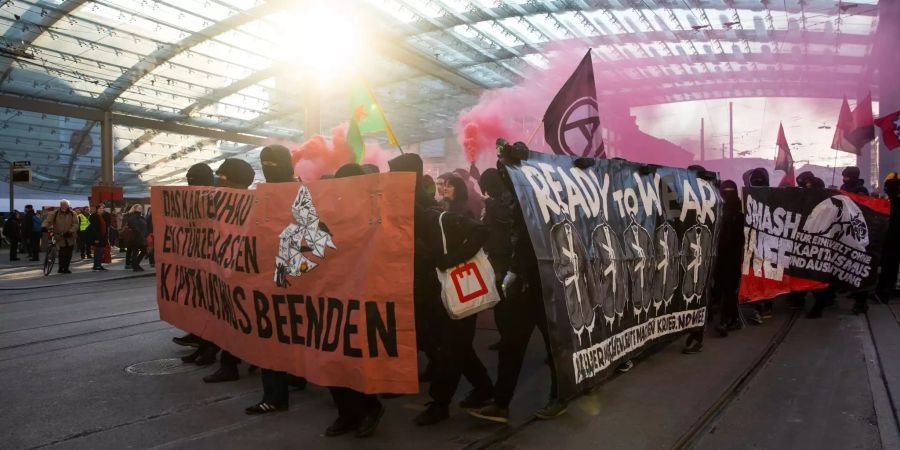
{"x":322,"y":38}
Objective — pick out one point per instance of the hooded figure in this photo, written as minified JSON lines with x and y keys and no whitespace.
{"x":276,"y":164}
{"x":805,"y":178}
{"x":852,"y":182}
{"x":200,"y":174}
{"x":235,"y":173}
{"x":475,"y":202}
{"x":758,"y":177}
{"x":727,"y":275}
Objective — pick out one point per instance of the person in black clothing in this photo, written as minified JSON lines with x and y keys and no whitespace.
{"x":357,"y":411}
{"x":890,"y":254}
{"x":498,"y":218}
{"x":727,"y":276}
{"x":199,"y":174}
{"x":97,"y":235}
{"x":137,"y":248}
{"x":455,"y":354}
{"x":237,"y":174}
{"x":852,"y":182}
{"x":521,"y":286}
{"x":12,"y":230}
{"x":31,"y":233}
{"x":759,"y":177}
{"x":277,"y":168}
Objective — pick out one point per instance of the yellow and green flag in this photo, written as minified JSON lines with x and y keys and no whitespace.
{"x":366,"y":117}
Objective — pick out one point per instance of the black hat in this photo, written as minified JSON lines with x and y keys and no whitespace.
{"x":804,"y":178}
{"x":369,"y":168}
{"x":237,"y":171}
{"x":276,"y":164}
{"x":349,"y":170}
{"x":851,"y":172}
{"x":200,"y":174}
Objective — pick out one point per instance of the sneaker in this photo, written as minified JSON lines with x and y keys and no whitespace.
{"x":553,"y":409}
{"x":138,"y":269}
{"x":369,"y":423}
{"x":625,"y":367}
{"x":341,"y":426}
{"x":434,"y":414}
{"x":265,"y":408}
{"x":693,"y":348}
{"x":476,"y":399}
{"x":188,"y":340}
{"x":492,"y":413}
{"x":225,"y":373}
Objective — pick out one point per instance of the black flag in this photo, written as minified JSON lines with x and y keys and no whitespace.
{"x":572,"y":121}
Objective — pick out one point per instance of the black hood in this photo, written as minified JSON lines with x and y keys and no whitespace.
{"x":276,"y":164}
{"x":412,"y":162}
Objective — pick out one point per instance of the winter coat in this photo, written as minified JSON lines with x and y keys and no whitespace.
{"x":12,"y":229}
{"x":64,"y":225}
{"x":499,"y":220}
{"x":138,"y":225}
{"x":97,"y":233}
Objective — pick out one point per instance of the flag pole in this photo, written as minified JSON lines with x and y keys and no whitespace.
{"x":834,"y":167}
{"x":539,"y":125}
{"x":401,"y":149}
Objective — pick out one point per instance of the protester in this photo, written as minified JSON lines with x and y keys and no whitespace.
{"x":453,"y":337}
{"x":97,"y":234}
{"x":727,"y":270}
{"x":852,"y":182}
{"x":890,"y":253}
{"x":759,"y":177}
{"x":64,"y":223}
{"x":498,"y":218}
{"x":475,"y":200}
{"x":199,"y":174}
{"x":137,"y":242}
{"x":456,"y":197}
{"x":694,"y":342}
{"x":429,"y":186}
{"x":357,"y":411}
{"x":12,"y":231}
{"x":236,"y":174}
{"x":521,"y":286}
{"x":277,"y":168}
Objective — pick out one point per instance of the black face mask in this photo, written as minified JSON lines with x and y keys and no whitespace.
{"x":278,"y":173}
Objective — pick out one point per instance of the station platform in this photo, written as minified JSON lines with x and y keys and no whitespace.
{"x":86,"y":363}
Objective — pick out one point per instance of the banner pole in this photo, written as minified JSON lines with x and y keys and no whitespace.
{"x":534,"y":132}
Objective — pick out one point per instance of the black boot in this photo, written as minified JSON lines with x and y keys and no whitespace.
{"x":225,"y":373}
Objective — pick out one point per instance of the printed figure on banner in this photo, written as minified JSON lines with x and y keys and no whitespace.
{"x":307,"y":234}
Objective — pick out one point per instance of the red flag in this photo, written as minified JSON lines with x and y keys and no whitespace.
{"x":890,"y":130}
{"x":783,"y":160}
{"x":863,"y":124}
{"x":789,"y":179}
{"x":842,"y":130}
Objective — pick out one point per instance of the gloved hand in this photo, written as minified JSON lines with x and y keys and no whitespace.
{"x":509,"y":285}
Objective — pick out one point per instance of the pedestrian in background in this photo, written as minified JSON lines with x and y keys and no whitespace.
{"x":12,"y":230}
{"x":64,"y":224}
{"x":137,"y":242}
{"x":98,"y":235}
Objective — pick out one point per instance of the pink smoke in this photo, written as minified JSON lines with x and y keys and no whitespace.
{"x":317,"y":156}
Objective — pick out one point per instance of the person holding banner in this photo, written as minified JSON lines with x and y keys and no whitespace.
{"x":522,"y":286}
{"x":276,"y":166}
{"x":890,"y":262}
{"x":727,"y":278}
{"x":236,"y":174}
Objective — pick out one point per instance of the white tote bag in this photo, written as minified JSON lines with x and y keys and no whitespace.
{"x":469,"y":287}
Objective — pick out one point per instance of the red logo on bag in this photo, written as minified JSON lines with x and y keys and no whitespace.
{"x":460,"y":275}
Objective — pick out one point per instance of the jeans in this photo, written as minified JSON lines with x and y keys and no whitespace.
{"x":98,"y":255}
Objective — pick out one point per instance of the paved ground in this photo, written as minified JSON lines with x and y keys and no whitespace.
{"x":65,"y":347}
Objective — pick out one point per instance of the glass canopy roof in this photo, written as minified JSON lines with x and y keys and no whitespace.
{"x":227,"y":65}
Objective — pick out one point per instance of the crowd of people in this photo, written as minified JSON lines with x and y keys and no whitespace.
{"x":90,"y":231}
{"x":477,"y":211}
{"x":482,"y":212}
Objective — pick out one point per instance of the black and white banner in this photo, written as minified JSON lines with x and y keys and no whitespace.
{"x":625,"y":252}
{"x":800,"y":239}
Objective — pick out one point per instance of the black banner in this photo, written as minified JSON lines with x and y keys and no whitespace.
{"x":799,"y":239}
{"x":625,"y":252}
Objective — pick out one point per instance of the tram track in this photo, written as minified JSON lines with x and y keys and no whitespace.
{"x":699,"y":427}
{"x":705,"y":422}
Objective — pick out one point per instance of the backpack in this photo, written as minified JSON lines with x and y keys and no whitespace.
{"x":36,"y":223}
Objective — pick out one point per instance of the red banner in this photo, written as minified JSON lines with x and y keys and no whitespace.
{"x":314,"y":279}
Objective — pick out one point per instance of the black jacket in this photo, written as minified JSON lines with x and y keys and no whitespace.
{"x":498,"y":217}
{"x":12,"y":228}
{"x":136,"y":222}
{"x":95,"y":231}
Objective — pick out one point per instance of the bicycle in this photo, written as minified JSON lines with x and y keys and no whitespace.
{"x":50,"y":258}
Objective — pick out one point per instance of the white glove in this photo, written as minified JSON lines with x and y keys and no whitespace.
{"x":509,"y":281}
